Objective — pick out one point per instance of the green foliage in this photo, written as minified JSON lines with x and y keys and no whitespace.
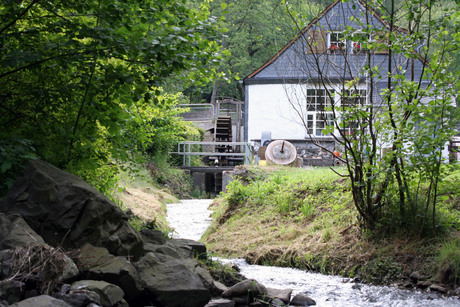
{"x":381,"y":270}
{"x":237,"y":193}
{"x":81,"y":79}
{"x":256,"y":30}
{"x":449,"y":262}
{"x":176,"y":180}
{"x":307,"y":208}
{"x":139,"y":224}
{"x":14,"y":155}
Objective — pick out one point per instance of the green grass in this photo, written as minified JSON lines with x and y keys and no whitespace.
{"x":306,"y":218}
{"x":449,"y":262}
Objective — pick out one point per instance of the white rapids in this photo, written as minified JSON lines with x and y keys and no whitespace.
{"x":190,"y":218}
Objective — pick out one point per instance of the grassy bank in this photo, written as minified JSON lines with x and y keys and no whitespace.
{"x":145,"y":191}
{"x":305,"y":218}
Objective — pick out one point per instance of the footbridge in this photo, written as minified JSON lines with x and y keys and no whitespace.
{"x":220,"y":158}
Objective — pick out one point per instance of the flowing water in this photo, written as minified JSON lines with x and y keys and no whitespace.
{"x":190,"y":218}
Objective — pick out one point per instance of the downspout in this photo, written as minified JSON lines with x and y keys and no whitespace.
{"x":247,"y":150}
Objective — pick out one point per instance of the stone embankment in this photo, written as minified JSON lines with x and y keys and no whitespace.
{"x":62,"y":243}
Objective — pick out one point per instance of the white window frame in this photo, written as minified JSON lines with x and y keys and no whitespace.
{"x":330,"y":47}
{"x":315,"y":113}
{"x":317,"y":100}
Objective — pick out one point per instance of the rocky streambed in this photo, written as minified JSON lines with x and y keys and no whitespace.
{"x":64,"y":244}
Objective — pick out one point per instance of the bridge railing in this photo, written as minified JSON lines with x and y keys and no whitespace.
{"x":188,"y":149}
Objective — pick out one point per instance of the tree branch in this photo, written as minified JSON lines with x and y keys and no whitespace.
{"x":19,"y":16}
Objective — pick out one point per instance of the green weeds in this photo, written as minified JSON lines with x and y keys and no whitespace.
{"x":449,"y":262}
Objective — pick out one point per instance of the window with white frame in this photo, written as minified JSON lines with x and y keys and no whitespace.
{"x":351,"y":100}
{"x":336,"y":42}
{"x":318,"y":114}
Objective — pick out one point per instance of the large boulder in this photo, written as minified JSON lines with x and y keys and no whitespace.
{"x":66,"y":210}
{"x":153,"y":236}
{"x":189,"y":248}
{"x":109,"y":294}
{"x":96,"y":263}
{"x":302,"y":300}
{"x":15,"y":232}
{"x":42,"y":301}
{"x":77,"y":297}
{"x":283,"y":295}
{"x":173,"y":282}
{"x":162,"y":249}
{"x":246,"y":291}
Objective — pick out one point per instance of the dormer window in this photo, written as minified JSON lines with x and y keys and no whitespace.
{"x":336,"y":42}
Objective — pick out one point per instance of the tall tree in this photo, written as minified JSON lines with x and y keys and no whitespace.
{"x":256,"y":31}
{"x":75,"y":75}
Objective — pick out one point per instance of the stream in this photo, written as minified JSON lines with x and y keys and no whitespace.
{"x":190,"y":218}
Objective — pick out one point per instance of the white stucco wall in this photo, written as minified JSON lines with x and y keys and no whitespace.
{"x":269,"y":110}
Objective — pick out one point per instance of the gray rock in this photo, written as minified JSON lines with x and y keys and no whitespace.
{"x":284,"y":295}
{"x":120,"y":272}
{"x":5,"y":263}
{"x":172,"y":282}
{"x":277,"y":303}
{"x":198,"y":249}
{"x":245,"y":291}
{"x":109,"y":294}
{"x":456,"y":292}
{"x":153,"y":236}
{"x":15,"y":232}
{"x":98,"y":264}
{"x":123,"y":303}
{"x":414,"y":276}
{"x":218,"y":288}
{"x":302,"y":300}
{"x":184,"y":251}
{"x":64,"y":209}
{"x":161,"y":249}
{"x":70,"y":271}
{"x":81,"y":298}
{"x":220,"y":303}
{"x":90,"y":256}
{"x":42,"y":301}
{"x":438,"y":288}
{"x":423,"y":284}
{"x":11,"y":291}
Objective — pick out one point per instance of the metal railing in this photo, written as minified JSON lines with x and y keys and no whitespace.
{"x":187,"y":150}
